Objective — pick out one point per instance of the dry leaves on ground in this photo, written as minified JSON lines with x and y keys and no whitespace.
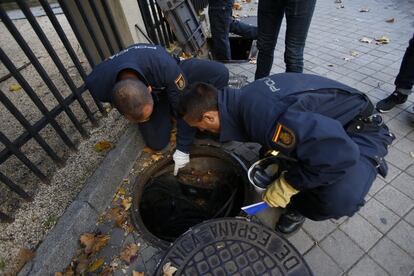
{"x":390,"y":20}
{"x":126,"y":203}
{"x":24,"y":256}
{"x":106,"y":271}
{"x":129,"y":253}
{"x":156,"y":157}
{"x":14,"y":87}
{"x":118,"y":215}
{"x":354,"y":53}
{"x":68,"y":272}
{"x":149,"y":150}
{"x":237,"y":6}
{"x":93,"y":243}
{"x":168,"y":269}
{"x":364,"y":9}
{"x":382,"y":40}
{"x":96,"y":265}
{"x":103,"y":145}
{"x":366,"y":40}
{"x":253,"y":61}
{"x":120,"y":193}
{"x":137,"y":273}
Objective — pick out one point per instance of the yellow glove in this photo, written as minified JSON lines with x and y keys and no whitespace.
{"x":278,"y":193}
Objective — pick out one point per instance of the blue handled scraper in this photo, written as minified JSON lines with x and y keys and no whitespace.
{"x":255,"y":208}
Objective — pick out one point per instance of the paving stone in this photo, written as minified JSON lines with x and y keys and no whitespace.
{"x":321,"y":264}
{"x":400,"y":159}
{"x":342,"y":249}
{"x":361,"y":231}
{"x":301,"y":241}
{"x":410,"y":217}
{"x":378,"y":215}
{"x":405,"y":183}
{"x":392,"y":258}
{"x":378,"y":184}
{"x":398,"y":127}
{"x":403,"y":235}
{"x":367,"y":267}
{"x":318,"y":229}
{"x":395,"y":200}
{"x":393,"y":172}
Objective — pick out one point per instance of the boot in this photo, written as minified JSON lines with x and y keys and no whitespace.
{"x":290,"y":222}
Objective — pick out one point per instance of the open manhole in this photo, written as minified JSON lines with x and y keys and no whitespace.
{"x":213,"y":185}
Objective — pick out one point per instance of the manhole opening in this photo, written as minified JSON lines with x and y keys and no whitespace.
{"x":240,"y":49}
{"x":213,"y":185}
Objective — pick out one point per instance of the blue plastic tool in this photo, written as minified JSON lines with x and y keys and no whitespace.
{"x":253,"y":209}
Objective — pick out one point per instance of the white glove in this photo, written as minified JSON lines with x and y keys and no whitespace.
{"x":180,"y":160}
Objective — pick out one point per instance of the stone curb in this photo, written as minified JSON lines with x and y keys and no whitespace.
{"x":59,"y":246}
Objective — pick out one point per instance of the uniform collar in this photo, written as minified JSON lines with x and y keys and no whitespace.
{"x":228,"y":105}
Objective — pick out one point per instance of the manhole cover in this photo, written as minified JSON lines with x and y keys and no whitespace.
{"x":233,"y":246}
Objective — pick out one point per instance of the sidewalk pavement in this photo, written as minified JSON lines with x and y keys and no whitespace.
{"x":379,"y":240}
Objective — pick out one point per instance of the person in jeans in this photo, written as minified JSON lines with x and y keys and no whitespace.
{"x":403,"y":83}
{"x":221,"y":23}
{"x":298,"y":18}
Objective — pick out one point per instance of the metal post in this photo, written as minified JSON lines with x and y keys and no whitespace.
{"x":101,"y":25}
{"x":14,"y":187}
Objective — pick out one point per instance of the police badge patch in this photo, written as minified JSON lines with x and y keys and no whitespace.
{"x":180,"y":82}
{"x":284,"y":137}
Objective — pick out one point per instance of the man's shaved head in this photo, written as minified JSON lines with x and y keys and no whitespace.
{"x":132,"y":99}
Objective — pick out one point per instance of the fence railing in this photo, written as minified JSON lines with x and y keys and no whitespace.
{"x":107,"y":33}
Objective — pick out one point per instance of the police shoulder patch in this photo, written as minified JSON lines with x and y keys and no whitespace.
{"x":284,"y":136}
{"x":180,"y":82}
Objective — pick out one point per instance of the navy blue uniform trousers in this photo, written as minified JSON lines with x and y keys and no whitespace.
{"x":405,"y":78}
{"x":156,"y":131}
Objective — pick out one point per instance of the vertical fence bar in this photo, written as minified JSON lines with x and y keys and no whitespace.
{"x":163,"y":23}
{"x":29,"y":91}
{"x":111,"y":22}
{"x":101,"y":25}
{"x":39,"y":68}
{"x":38,"y":30}
{"x":146,"y":16}
{"x":61,"y":33}
{"x":22,"y":157}
{"x":22,"y":120}
{"x":156,"y":22}
{"x":15,"y":188}
{"x":89,"y":27}
{"x":77,"y":32}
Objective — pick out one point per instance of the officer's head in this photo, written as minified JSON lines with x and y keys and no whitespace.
{"x":199,"y":107}
{"x":133,"y":100}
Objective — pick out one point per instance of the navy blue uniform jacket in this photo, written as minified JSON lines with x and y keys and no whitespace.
{"x":157,"y":69}
{"x":302,"y":116}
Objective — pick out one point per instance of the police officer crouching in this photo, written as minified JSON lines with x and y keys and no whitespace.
{"x":336,"y":144}
{"x":144,"y":83}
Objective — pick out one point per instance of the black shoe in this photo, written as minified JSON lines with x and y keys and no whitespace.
{"x":391,"y":101}
{"x":290,"y":222}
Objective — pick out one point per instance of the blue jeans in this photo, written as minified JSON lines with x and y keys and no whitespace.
{"x":405,"y":78}
{"x":221,"y":23}
{"x":298,"y":18}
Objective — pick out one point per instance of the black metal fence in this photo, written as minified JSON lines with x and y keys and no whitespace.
{"x":107,"y":33}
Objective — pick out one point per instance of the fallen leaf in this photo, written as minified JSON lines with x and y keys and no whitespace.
{"x":96,"y":264}
{"x":237,"y":6}
{"x":366,"y":40}
{"x":83,"y":264}
{"x":139,"y":273}
{"x":149,"y":150}
{"x":185,"y":55}
{"x":118,"y":215}
{"x":364,"y":10}
{"x":382,"y":40}
{"x":126,"y":203}
{"x":390,"y":20}
{"x":253,"y":61}
{"x":347,"y":58}
{"x":106,"y":271}
{"x":24,"y":256}
{"x":168,"y":269}
{"x":354,"y":53}
{"x":330,"y":65}
{"x":102,"y":145}
{"x":15,"y":87}
{"x":340,"y":6}
{"x":129,"y":253}
{"x":156,"y":157}
{"x":93,"y":243}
